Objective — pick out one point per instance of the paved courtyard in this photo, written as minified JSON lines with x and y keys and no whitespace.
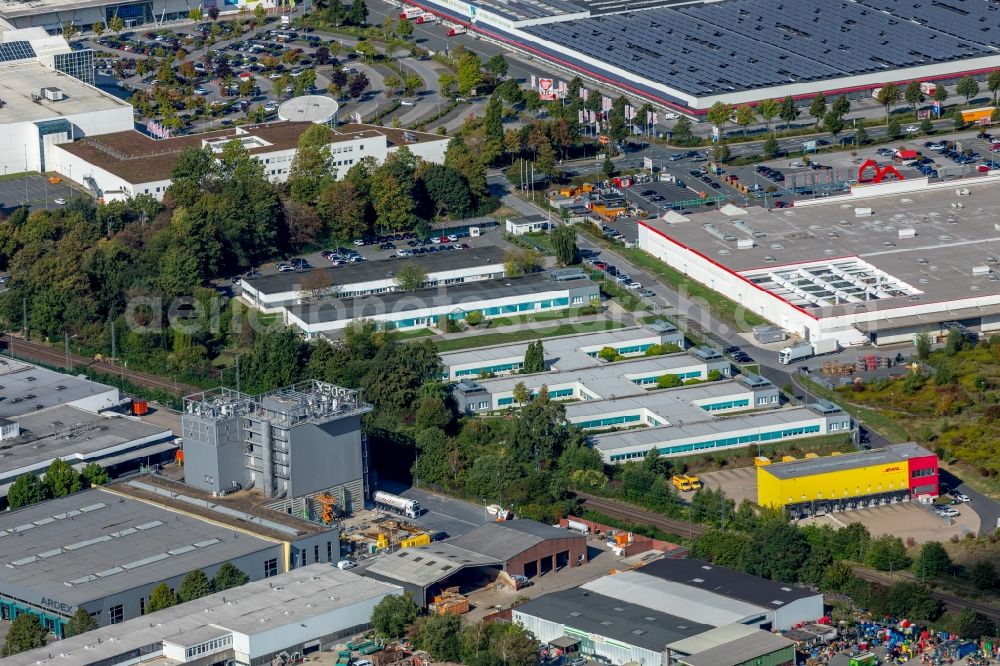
{"x":738,"y":484}
{"x":908,"y":520}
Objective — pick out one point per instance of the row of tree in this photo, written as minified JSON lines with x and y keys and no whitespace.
{"x":59,"y":480}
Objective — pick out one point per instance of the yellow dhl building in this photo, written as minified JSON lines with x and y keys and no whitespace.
{"x":865,"y":478}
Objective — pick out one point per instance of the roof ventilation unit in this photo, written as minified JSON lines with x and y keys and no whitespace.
{"x":53,"y":94}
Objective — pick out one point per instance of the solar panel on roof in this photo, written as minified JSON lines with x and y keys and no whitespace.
{"x":12,"y":51}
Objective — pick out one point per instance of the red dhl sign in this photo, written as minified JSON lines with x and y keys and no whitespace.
{"x":897,"y":468}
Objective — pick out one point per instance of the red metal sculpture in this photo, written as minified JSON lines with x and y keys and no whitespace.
{"x":880,"y":172}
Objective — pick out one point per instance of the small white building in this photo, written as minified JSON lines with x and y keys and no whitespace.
{"x":518,"y":226}
{"x":130,"y":163}
{"x":282,"y":618}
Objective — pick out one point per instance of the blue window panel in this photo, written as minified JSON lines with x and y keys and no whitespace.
{"x":561,"y":301}
{"x":525,"y":306}
{"x":505,"y":401}
{"x":560,"y":393}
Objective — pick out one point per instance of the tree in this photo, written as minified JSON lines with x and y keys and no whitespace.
{"x":993,"y":84}
{"x":932,"y":561}
{"x":719,"y":115}
{"x":745,"y":116}
{"x":161,"y":597}
{"x":213,"y":13}
{"x":228,"y":576}
{"x":61,"y":479}
{"x":497,"y":66}
{"x":410,"y":276}
{"x":833,"y":123}
{"x":817,"y":108}
{"x":195,"y":585}
{"x":983,"y":575}
{"x":923,"y":345}
{"x":69,"y":30}
{"x":439,"y":635}
{"x":973,"y":625}
{"x":771,"y":146}
{"x":769,"y":109}
{"x":469,"y":73}
{"x":116,"y":24}
{"x":342,"y":209}
{"x":195,"y":14}
{"x":940,"y":94}
{"x":668,"y":381}
{"x":80,"y":623}
{"x":94,"y":475}
{"x":521,"y":394}
{"x":411,"y":83}
{"x":954,"y":342}
{"x":521,"y":261}
{"x":493,"y":119}
{"x":358,"y":14}
{"x":404,"y":28}
{"x":841,"y":106}
{"x":97,"y":29}
{"x":446,"y":84}
{"x":683,"y":133}
{"x":609,"y":354}
{"x":608,"y":167}
{"x":259,"y":14}
{"x":913,"y":95}
{"x":564,"y":243}
{"x":892,"y":130}
{"x":789,"y":110}
{"x":968,"y":88}
{"x":393,"y":615}
{"x":310,"y":171}
{"x":391,"y":82}
{"x":926,"y":126}
{"x":25,"y":491}
{"x":720,"y":151}
{"x":335,"y":12}
{"x":498,"y":643}
{"x":887,"y":553}
{"x":887,"y":96}
{"x":358,"y":85}
{"x":534,"y":358}
{"x":778,"y":551}
{"x":836,"y":577}
{"x":26,"y":633}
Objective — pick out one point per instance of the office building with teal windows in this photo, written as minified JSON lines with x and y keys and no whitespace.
{"x":721,"y":433}
{"x":604,"y":381}
{"x":677,"y":406}
{"x":568,"y":352}
{"x":423,"y":308}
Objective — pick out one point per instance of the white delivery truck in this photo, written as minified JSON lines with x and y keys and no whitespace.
{"x":804,"y":350}
{"x":411,"y":13}
{"x":426,"y":17}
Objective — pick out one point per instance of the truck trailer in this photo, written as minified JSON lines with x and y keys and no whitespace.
{"x":396,"y":504}
{"x":804,"y":350}
{"x":426,"y":17}
{"x":456,"y":30}
{"x":410,"y":13}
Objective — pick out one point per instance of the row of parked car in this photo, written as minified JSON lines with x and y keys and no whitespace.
{"x":770,"y":173}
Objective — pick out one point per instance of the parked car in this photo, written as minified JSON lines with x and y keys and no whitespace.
{"x":911,"y":129}
{"x":285,"y":268}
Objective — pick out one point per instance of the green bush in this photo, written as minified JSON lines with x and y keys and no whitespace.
{"x":474,"y":318}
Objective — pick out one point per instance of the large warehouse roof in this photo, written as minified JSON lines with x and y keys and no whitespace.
{"x":425,"y":565}
{"x":96,"y":543}
{"x":714,"y":579}
{"x":742,"y":651}
{"x":508,"y":539}
{"x":800,"y":254}
{"x":612,"y":617}
{"x":894,"y":453}
{"x":75,"y":435}
{"x":665,"y":596}
{"x":29,"y":388}
{"x":711,"y":48}
{"x":293,"y":598}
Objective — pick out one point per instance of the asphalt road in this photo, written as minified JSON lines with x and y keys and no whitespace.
{"x":442,"y":513}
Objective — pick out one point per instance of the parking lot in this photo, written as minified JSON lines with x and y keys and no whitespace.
{"x":738,"y":484}
{"x":386,"y":247}
{"x":908,"y":520}
{"x":35,"y":191}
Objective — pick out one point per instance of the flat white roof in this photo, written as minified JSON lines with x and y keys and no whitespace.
{"x":19,"y":80}
{"x":674,"y":598}
{"x":933,"y":266}
{"x":294,"y":598}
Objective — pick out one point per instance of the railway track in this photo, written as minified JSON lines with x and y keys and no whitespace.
{"x":633,"y":514}
{"x":951,"y":602}
{"x":32,"y":351}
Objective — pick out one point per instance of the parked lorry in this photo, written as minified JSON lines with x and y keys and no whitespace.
{"x":804,"y":350}
{"x":395,"y":503}
{"x":456,"y":30}
{"x":410,"y":13}
{"x":426,"y":17}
